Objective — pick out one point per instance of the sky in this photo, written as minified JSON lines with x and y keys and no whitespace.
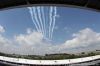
{"x":75,"y":30}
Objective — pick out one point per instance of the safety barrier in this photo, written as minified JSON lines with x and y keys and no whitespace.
{"x":48,"y":62}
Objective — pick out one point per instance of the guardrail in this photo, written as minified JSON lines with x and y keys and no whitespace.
{"x":48,"y":62}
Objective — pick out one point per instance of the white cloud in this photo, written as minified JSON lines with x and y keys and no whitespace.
{"x":32,"y":42}
{"x":83,"y":38}
{"x":2,"y":29}
{"x":30,"y":38}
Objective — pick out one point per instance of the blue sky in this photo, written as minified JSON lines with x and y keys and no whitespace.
{"x":69,"y":21}
{"x":73,"y":19}
{"x":76,"y":19}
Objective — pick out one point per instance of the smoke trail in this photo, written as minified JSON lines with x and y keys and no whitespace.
{"x":54,"y":20}
{"x":40,"y":19}
{"x":36,"y":18}
{"x":31,"y":13}
{"x":50,"y":24}
{"x":44,"y":24}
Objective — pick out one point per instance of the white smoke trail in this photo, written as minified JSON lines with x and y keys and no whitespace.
{"x":50,"y":23}
{"x":36,"y":18}
{"x":40,"y":19}
{"x":31,"y":13}
{"x":44,"y":20}
{"x":54,"y":20}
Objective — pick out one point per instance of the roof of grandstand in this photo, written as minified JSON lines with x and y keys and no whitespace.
{"x":93,"y":4}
